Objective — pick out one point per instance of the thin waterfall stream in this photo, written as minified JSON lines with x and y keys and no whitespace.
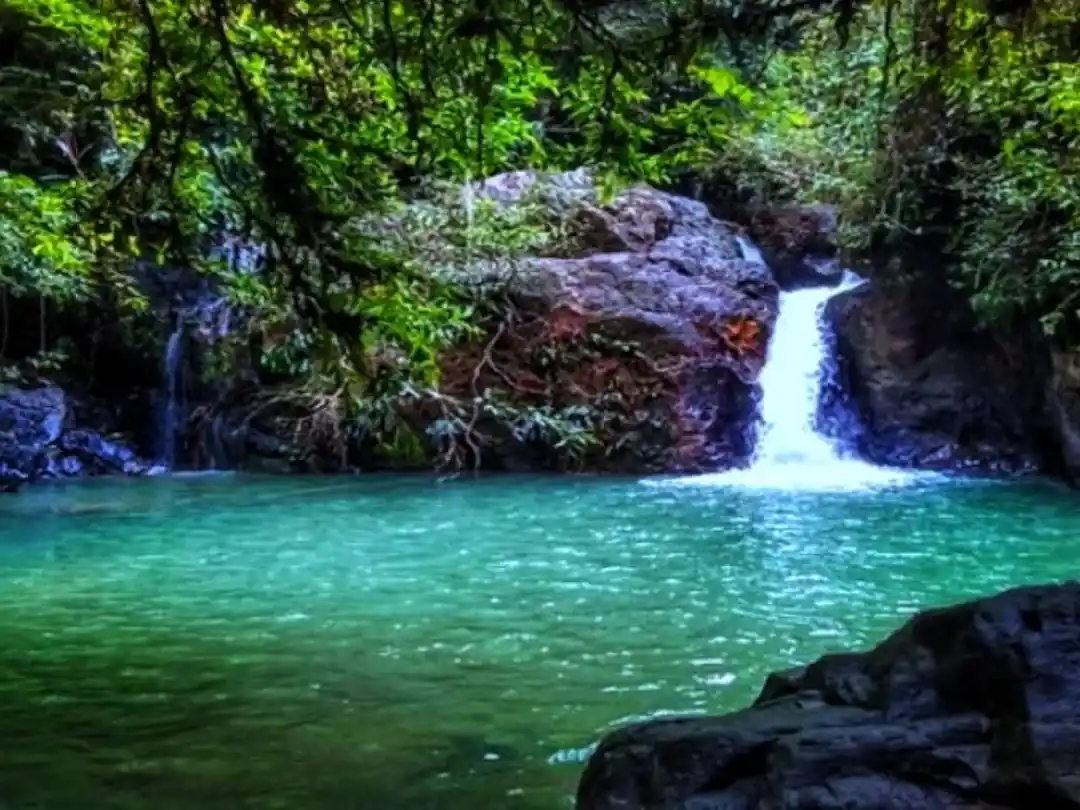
{"x":171,"y":408}
{"x":202,"y":317}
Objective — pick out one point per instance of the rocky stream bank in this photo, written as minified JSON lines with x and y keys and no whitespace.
{"x":42,"y":437}
{"x":656,"y":327}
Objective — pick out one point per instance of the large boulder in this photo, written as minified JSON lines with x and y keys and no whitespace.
{"x":39,"y":438}
{"x":972,"y":706}
{"x":652,"y":329}
{"x":630,"y":341}
{"x":930,"y":388}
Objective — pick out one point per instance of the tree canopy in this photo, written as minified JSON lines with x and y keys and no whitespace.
{"x":953,"y":118}
{"x":170,"y":123}
{"x":161,"y":130}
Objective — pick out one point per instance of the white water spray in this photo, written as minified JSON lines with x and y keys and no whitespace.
{"x":791,"y":382}
{"x":171,"y":408}
{"x":750,"y":251}
{"x":468,"y":198}
{"x":790,"y":453}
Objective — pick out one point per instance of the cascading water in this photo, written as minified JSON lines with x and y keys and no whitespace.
{"x":791,"y":381}
{"x":171,"y":388}
{"x":204,"y":315}
{"x":790,"y":452}
{"x":750,"y":251}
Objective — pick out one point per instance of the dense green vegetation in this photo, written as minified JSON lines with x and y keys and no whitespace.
{"x":154,"y":129}
{"x":958,"y":120}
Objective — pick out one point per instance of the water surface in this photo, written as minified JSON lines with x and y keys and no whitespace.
{"x":230,"y":643}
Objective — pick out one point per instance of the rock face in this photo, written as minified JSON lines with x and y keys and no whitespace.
{"x":39,"y":439}
{"x":250,"y":429}
{"x":798,"y":242}
{"x":919,"y":385}
{"x":928,"y":388}
{"x":1063,"y":415}
{"x":653,"y":329}
{"x":972,"y":706}
{"x":633,"y":345}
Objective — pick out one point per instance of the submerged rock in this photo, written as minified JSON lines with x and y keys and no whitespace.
{"x":38,"y":439}
{"x":971,"y":706}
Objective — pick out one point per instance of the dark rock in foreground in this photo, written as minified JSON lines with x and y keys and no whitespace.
{"x":971,"y":706}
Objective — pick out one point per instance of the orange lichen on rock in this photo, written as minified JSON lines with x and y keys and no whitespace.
{"x":740,"y":337}
{"x":743,"y":335}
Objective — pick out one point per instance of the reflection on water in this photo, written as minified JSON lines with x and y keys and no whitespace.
{"x":324,"y":644}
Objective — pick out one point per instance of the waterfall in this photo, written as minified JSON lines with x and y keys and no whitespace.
{"x":750,"y":251}
{"x":171,"y":370}
{"x":791,"y":381}
{"x":791,"y":453}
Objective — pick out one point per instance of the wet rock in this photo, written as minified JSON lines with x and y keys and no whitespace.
{"x":19,"y":465}
{"x":39,"y":440}
{"x":798,"y":242}
{"x":29,"y":422}
{"x":929,"y":388}
{"x":653,"y":327}
{"x":99,"y":455}
{"x":1062,"y":455}
{"x":251,"y":429}
{"x":34,"y":417}
{"x":971,"y":706}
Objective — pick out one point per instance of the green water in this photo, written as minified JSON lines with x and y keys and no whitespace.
{"x":327,"y":644}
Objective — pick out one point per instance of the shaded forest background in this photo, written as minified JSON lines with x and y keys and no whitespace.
{"x":310,"y":161}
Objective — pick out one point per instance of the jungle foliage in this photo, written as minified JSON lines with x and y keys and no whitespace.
{"x":148,"y":128}
{"x":953,"y":119}
{"x":160,"y":129}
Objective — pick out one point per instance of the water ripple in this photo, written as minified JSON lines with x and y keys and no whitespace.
{"x":194,"y":643}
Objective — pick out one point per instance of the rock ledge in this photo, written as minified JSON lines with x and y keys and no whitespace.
{"x":971,"y":706}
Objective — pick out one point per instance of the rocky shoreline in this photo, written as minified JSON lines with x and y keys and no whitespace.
{"x":41,"y":438}
{"x":657,"y":324}
{"x":971,"y":706}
